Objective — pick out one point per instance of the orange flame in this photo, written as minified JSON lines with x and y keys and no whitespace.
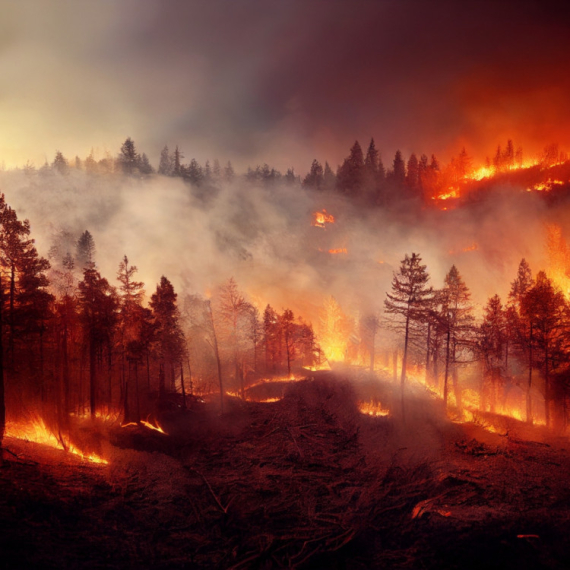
{"x":372,"y":408}
{"x":322,"y":218}
{"x":36,"y":431}
{"x":147,"y":424}
{"x":338,"y":250}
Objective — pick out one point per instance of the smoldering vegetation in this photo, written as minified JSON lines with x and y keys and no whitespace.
{"x":305,"y":482}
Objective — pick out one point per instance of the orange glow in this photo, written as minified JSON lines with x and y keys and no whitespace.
{"x":36,"y":431}
{"x":472,"y":247}
{"x":320,"y":219}
{"x":146,"y":424}
{"x":372,"y":408}
{"x":558,"y":253}
{"x":339,"y":250}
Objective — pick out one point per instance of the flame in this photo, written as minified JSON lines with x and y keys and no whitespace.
{"x":320,"y":219}
{"x":372,"y":408}
{"x":148,"y":424}
{"x":36,"y":431}
{"x":339,"y":250}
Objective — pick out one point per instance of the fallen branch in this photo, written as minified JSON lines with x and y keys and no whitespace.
{"x":218,"y":502}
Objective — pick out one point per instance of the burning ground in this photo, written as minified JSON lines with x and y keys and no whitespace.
{"x":307,"y":481}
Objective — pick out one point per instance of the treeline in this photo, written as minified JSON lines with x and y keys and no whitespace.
{"x":362,"y":177}
{"x":74,"y":343}
{"x":519,"y":348}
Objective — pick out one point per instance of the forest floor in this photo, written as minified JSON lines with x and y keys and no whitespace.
{"x":305,"y":482}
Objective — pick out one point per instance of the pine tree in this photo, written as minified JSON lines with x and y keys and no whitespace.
{"x":60,"y":163}
{"x":98,"y":312}
{"x":413,"y":174}
{"x":458,"y":318}
{"x":545,"y":309}
{"x":128,"y":159}
{"x":169,"y":335}
{"x":350,"y":174}
{"x":315,"y":177}
{"x":85,"y":251}
{"x":491,"y":347}
{"x":408,"y":303}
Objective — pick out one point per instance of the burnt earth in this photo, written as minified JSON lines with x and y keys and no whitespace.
{"x":306,"y":482}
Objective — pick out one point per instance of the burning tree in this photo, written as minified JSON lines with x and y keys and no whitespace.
{"x":408,"y":302}
{"x":545,"y":309}
{"x":491,"y":347}
{"x":458,"y":321}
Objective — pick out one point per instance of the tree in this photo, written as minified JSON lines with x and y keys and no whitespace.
{"x":234,"y":311}
{"x":315,"y":177}
{"x":176,"y":168}
{"x":408,"y":302}
{"x":144,"y":166}
{"x":130,"y":328}
{"x":350,"y":173}
{"x":60,"y":163}
{"x":520,"y":326}
{"x":329,"y":178}
{"x":458,"y":321}
{"x":545,"y":308}
{"x":98,"y":305}
{"x":169,"y":335}
{"x":491,"y":347}
{"x":85,"y":250}
{"x":413,"y":174}
{"x":128,"y":158}
{"x":399,"y":170}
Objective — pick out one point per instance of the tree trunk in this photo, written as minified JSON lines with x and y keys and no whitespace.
{"x":2,"y":396}
{"x":446,"y":377}
{"x":427,"y":378}
{"x":529,"y":385}
{"x":217,"y":355}
{"x":182,"y":385}
{"x":92,"y":376}
{"x":404,"y":362}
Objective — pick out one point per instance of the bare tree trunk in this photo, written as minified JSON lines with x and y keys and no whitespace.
{"x":427,"y":378}
{"x":546,"y":389}
{"x":404,"y":363}
{"x":446,"y":377}
{"x":529,"y":385}
{"x":182,"y":385}
{"x":217,"y":355}
{"x":92,"y":376}
{"x":2,"y":391}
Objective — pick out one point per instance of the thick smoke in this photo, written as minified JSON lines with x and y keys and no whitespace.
{"x":264,"y":237}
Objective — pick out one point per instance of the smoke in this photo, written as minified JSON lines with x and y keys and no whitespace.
{"x":264,"y":237}
{"x":283,"y":83}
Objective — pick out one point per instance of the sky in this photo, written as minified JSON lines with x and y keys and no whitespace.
{"x":281,"y":82}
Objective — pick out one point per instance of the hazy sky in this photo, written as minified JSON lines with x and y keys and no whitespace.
{"x":282,"y":81}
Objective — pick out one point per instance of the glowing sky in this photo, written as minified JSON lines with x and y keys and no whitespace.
{"x":281,"y":82}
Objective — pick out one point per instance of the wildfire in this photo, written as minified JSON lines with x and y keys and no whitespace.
{"x":372,"y":408}
{"x":452,"y":193}
{"x":148,"y":425}
{"x":338,"y":250}
{"x":36,"y":431}
{"x":320,"y":219}
{"x":545,"y":186}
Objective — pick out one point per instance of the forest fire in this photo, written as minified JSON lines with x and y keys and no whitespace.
{"x":372,"y":408}
{"x":36,"y":431}
{"x":146,"y":423}
{"x":322,"y":218}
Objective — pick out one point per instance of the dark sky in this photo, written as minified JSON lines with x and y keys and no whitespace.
{"x":281,"y":81}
